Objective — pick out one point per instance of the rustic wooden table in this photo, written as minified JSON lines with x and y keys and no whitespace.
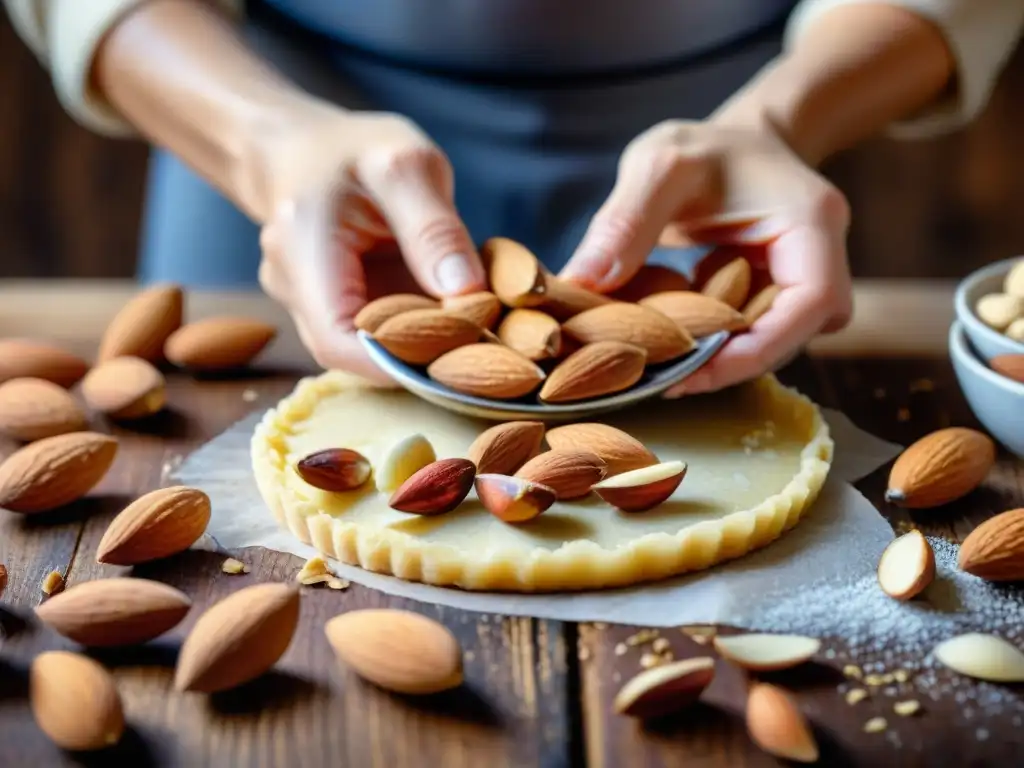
{"x":538,"y":693}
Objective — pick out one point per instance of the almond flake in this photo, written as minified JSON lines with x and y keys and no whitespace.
{"x":234,"y":567}
{"x":315,"y":571}
{"x":336,"y":583}
{"x":766,"y":651}
{"x":856,"y":695}
{"x":906,"y":708}
{"x":875,"y":725}
{"x":53,"y":583}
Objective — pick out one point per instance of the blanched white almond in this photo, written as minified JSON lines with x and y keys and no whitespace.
{"x":403,"y":460}
{"x":906,"y":566}
{"x":998,"y":310}
{"x":765,"y":652}
{"x":986,"y":657}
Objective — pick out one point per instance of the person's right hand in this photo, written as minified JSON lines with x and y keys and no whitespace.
{"x":344,"y":191}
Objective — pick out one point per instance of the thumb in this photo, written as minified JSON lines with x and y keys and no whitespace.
{"x":649,"y":194}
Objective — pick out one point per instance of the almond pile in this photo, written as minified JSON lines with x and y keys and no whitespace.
{"x":1003,"y":311}
{"x":534,"y":334}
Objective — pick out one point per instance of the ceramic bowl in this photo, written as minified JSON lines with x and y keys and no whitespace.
{"x":988,"y":342}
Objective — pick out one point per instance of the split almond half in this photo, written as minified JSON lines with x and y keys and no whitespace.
{"x":420,"y":336}
{"x":695,"y":313}
{"x":75,"y":701}
{"x":907,"y":566}
{"x":144,"y":324}
{"x":534,"y":334}
{"x":995,"y":549}
{"x":33,"y":409}
{"x":504,"y":448}
{"x":125,"y":388}
{"x":641,"y":489}
{"x":513,"y":499}
{"x":941,"y":467}
{"x":437,"y":488}
{"x":372,"y":316}
{"x":766,"y":652}
{"x":218,"y":343}
{"x":651,"y":279}
{"x":985,"y":657}
{"x":482,"y":308}
{"x":403,"y":460}
{"x":487,"y":370}
{"x":619,"y":451}
{"x":335,"y":470}
{"x":777,"y":726}
{"x":665,"y":688}
{"x":158,"y":524}
{"x":632,"y":324}
{"x":600,"y":368}
{"x":731,"y":283}
{"x":570,"y":474}
{"x":24,"y":358}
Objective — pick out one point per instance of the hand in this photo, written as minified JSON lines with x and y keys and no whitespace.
{"x":346,"y":192}
{"x":744,"y":190}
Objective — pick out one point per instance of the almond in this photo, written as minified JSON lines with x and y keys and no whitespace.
{"x":403,"y":460}
{"x":239,"y":638}
{"x":144,"y":324}
{"x":420,"y":336}
{"x":569,"y":473}
{"x":125,"y":388}
{"x":620,"y":452}
{"x":487,"y":370}
{"x":731,"y":283}
{"x":436,"y":489}
{"x":23,"y":358}
{"x":504,"y":448}
{"x":766,"y":652}
{"x":651,"y":279}
{"x":564,"y":299}
{"x":397,"y":650}
{"x":777,"y":726}
{"x":998,"y":310}
{"x":373,"y":315}
{"x":113,"y":612}
{"x":633,"y":324}
{"x":482,"y":308}
{"x":995,"y":549}
{"x":696,"y":314}
{"x":641,"y":489}
{"x":985,"y":657}
{"x":534,"y":334}
{"x":1013,"y":283}
{"x":55,"y":471}
{"x":513,"y":499}
{"x":31,"y":409}
{"x":761,"y":303}
{"x":665,"y":689}
{"x":334,"y":469}
{"x":906,"y":566}
{"x":1015,"y":330}
{"x":75,"y":701}
{"x":940,"y":467}
{"x":596,"y":369}
{"x":158,"y":524}
{"x":218,"y":343}
{"x":1010,"y":366}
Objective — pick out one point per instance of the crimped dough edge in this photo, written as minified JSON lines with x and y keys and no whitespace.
{"x":574,"y":566}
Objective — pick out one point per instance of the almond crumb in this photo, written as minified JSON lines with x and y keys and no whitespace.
{"x":856,"y":695}
{"x":621,"y":649}
{"x":315,"y":571}
{"x":875,"y":680}
{"x":853,"y":671}
{"x":649,"y":660}
{"x":661,"y":645}
{"x":336,"y":583}
{"x":699,"y":634}
{"x":875,"y":724}
{"x":906,"y":708}
{"x":53,"y":583}
{"x":641,"y":637}
{"x":901,"y":675}
{"x":234,"y":567}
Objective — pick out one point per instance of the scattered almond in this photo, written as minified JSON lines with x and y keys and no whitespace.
{"x":940,"y":467}
{"x":985,"y":657}
{"x":334,"y":469}
{"x":513,"y":499}
{"x":24,"y":358}
{"x":758,"y":306}
{"x":53,"y":583}
{"x":875,"y":725}
{"x":777,"y":726}
{"x":766,"y":652}
{"x":158,"y":524}
{"x":373,"y":315}
{"x":596,"y":369}
{"x":641,"y":489}
{"x":995,"y":549}
{"x":665,"y":688}
{"x":651,"y":279}
{"x":998,"y":310}
{"x":487,"y":370}
{"x":696,"y":313}
{"x":1010,"y":366}
{"x":534,"y":334}
{"x":125,"y":388}
{"x":75,"y":701}
{"x":731,"y":283}
{"x":569,"y":473}
{"x":55,"y":471}
{"x":238,"y":638}
{"x":855,"y":696}
{"x":436,"y":489}
{"x":397,"y":650}
{"x":218,"y":343}
{"x":907,"y":708}
{"x":853,"y":672}
{"x":482,"y":308}
{"x":504,"y":448}
{"x":402,"y":460}
{"x":420,"y":336}
{"x":31,"y":409}
{"x":115,"y":612}
{"x":234,"y":567}
{"x":633,"y":324}
{"x":144,"y":324}
{"x":619,"y":451}
{"x":906,"y":566}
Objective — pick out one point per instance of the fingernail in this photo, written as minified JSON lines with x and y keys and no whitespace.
{"x":454,"y":274}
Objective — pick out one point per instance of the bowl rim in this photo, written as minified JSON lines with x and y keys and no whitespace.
{"x":965,"y":313}
{"x":958,"y":348}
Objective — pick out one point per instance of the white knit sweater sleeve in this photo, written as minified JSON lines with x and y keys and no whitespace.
{"x":981,"y":35}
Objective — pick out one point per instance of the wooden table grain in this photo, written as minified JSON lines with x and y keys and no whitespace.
{"x":537,"y":693}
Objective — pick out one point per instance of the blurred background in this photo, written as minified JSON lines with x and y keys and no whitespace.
{"x":70,"y":201}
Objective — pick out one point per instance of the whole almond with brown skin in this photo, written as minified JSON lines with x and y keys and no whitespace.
{"x":436,"y":489}
{"x":55,"y":471}
{"x":239,"y":638}
{"x":651,"y":279}
{"x":619,"y":451}
{"x":75,"y":701}
{"x":334,"y":469}
{"x":777,"y":726}
{"x":373,"y":315}
{"x":570,"y":474}
{"x":995,"y":549}
{"x":596,"y":369}
{"x":516,"y":276}
{"x":534,"y":334}
{"x":633,"y":324}
{"x":695,"y":313}
{"x":144,"y":324}
{"x":158,"y":524}
{"x":487,"y":370}
{"x":504,"y":448}
{"x":482,"y":307}
{"x":731,"y":283}
{"x":125,"y":388}
{"x":397,"y":650}
{"x":31,"y":409}
{"x":24,"y":358}
{"x":420,"y":336}
{"x":218,"y":343}
{"x":1010,"y":366}
{"x":113,"y":612}
{"x":761,"y":303}
{"x":941,"y":467}
{"x":564,"y":299}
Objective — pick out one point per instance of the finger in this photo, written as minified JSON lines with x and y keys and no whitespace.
{"x":414,"y":191}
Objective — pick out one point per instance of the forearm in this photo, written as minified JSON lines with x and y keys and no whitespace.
{"x":857,"y":69}
{"x":182,"y":76}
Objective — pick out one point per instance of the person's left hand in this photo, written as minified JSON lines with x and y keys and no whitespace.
{"x":742,"y":189}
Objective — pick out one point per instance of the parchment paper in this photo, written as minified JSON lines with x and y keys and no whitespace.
{"x":841,"y":536}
